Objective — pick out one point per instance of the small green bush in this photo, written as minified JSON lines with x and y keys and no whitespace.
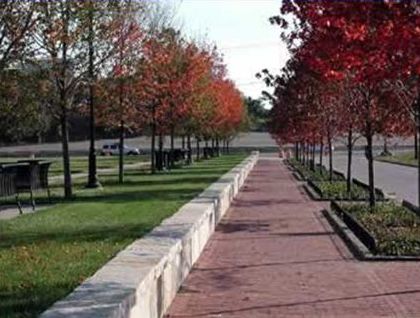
{"x":338,"y":191}
{"x":395,"y":228}
{"x":320,"y":174}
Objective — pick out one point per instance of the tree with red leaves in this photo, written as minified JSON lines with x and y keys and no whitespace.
{"x":352,"y":41}
{"x":177,"y":84}
{"x":120,"y":38}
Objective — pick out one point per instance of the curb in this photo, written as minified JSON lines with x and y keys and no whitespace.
{"x":396,"y":163}
{"x":359,"y":250}
{"x":315,"y":194}
{"x":143,"y":279}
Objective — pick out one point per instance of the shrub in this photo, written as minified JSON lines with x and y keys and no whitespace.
{"x":395,"y":228}
{"x":338,"y":191}
{"x":320,"y":174}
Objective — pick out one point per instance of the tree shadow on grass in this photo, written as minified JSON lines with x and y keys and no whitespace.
{"x":162,"y":182}
{"x":41,"y":197}
{"x":112,"y":233}
{"x":101,"y":232}
{"x":178,"y":187}
{"x":24,"y":303}
{"x":187,"y":171}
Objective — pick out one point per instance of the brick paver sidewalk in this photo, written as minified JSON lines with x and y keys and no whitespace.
{"x":275,"y":255}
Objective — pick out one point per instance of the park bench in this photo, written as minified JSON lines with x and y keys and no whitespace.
{"x":163,"y":159}
{"x":25,"y":176}
{"x":209,"y":152}
{"x":8,"y":183}
{"x":179,"y":154}
{"x":32,"y":175}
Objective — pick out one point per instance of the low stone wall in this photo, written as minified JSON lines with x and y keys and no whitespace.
{"x":142,"y":280}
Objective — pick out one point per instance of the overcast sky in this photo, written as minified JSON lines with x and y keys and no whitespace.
{"x":241,"y":30}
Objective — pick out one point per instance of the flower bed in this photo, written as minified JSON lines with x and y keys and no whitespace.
{"x":320,"y":174}
{"x":337,"y":190}
{"x":395,"y":228}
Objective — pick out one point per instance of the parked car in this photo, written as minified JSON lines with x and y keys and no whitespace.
{"x":113,"y":149}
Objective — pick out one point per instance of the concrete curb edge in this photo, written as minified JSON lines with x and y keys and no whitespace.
{"x":143,"y":279}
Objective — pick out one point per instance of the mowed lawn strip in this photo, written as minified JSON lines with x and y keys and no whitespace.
{"x":79,"y":164}
{"x":44,"y":256}
{"x":406,"y":158}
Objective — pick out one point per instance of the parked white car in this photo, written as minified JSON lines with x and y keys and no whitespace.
{"x":113,"y":149}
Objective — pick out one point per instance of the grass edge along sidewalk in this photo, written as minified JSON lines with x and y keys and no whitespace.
{"x":405,"y":159}
{"x":46,"y":255}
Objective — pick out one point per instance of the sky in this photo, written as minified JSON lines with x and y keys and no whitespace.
{"x":242,"y":32}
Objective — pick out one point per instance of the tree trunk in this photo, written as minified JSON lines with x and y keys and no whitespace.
{"x":313,"y":157}
{"x":183,"y":141}
{"x":64,"y":104}
{"x":162,"y":159}
{"x":171,"y":153}
{"x":416,"y":143}
{"x":218,"y":147}
{"x":121,"y":154}
{"x":66,"y":156}
{"x":330,"y":156}
{"x":369,"y":155}
{"x":418,"y":151}
{"x":296,"y":151}
{"x":321,"y":157}
{"x":310,"y":151}
{"x":386,"y":151}
{"x":206,"y":149}
{"x":300,"y":152}
{"x":189,"y":149}
{"x":153,"y":148}
{"x":198,"y":149}
{"x":121,"y":132}
{"x":349,"y":159}
{"x":92,"y":176}
{"x":39,"y":137}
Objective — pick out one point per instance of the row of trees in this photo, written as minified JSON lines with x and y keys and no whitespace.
{"x":119,"y":62}
{"x":354,"y":72}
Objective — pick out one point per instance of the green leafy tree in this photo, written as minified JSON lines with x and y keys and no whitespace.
{"x":257,"y":114}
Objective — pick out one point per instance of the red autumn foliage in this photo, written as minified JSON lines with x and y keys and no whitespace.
{"x":365,"y":57}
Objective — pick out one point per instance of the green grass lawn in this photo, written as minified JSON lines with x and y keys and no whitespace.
{"x":79,"y":164}
{"x":406,"y":158}
{"x":44,"y":256}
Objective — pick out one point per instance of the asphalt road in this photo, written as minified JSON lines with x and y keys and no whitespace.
{"x":391,"y":178}
{"x":252,"y":140}
{"x":245,"y":140}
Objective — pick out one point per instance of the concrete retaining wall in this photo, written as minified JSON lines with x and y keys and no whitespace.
{"x":142,"y":280}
